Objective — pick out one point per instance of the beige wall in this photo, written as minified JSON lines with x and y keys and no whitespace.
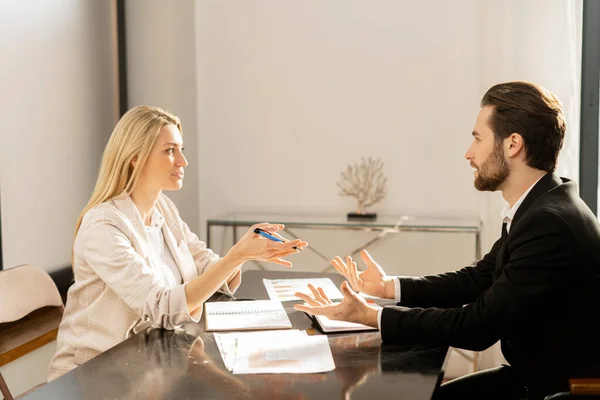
{"x":58,"y":106}
{"x":161,"y":71}
{"x":289,"y":93}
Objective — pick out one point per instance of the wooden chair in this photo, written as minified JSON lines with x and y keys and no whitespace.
{"x":4,"y":389}
{"x":26,"y":288}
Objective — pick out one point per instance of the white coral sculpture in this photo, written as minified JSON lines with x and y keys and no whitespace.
{"x":365,"y":181}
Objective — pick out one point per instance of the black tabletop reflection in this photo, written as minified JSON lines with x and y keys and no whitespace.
{"x":186,"y":364}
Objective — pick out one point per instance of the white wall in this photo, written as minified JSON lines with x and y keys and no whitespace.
{"x":161,"y":71}
{"x":59,"y":105}
{"x":291,"y":92}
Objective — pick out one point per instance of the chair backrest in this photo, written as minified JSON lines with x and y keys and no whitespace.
{"x":26,"y":288}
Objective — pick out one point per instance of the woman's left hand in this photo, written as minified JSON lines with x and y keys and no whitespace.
{"x":254,"y":247}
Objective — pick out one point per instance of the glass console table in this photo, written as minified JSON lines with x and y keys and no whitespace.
{"x":385,"y":224}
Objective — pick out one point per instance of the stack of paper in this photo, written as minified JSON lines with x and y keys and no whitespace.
{"x":289,"y":351}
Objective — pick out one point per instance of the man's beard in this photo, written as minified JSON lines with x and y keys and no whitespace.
{"x":493,"y":172}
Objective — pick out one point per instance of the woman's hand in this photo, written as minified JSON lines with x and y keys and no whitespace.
{"x":252,"y":246}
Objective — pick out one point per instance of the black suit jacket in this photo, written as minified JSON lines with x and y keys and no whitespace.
{"x":537,"y":291}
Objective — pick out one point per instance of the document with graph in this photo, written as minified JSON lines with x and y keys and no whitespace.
{"x":285,"y":289}
{"x":286,"y":352}
{"x":227,"y":342}
{"x":245,"y":315}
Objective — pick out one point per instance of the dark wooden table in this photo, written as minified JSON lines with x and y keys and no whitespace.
{"x":186,"y":364}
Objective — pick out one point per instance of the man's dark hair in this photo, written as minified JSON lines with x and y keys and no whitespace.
{"x":533,"y":112}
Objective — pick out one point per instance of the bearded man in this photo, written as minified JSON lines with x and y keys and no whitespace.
{"x":538,"y":289}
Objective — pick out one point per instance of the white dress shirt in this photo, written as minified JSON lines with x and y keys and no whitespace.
{"x":507,"y":214}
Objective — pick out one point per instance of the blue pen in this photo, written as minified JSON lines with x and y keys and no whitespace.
{"x":267,"y":235}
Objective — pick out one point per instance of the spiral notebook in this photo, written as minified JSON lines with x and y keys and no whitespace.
{"x":245,"y":315}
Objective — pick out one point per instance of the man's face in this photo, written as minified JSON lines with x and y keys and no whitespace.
{"x":486,"y":155}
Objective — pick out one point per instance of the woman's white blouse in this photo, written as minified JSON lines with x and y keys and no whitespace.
{"x":170,"y":269}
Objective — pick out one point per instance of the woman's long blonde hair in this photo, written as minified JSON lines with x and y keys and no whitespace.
{"x":134,"y":136}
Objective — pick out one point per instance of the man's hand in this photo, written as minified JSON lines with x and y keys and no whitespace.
{"x":353,"y":308}
{"x":372,"y":281}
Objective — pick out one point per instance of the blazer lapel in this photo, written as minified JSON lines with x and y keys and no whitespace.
{"x":544,"y":185}
{"x":182,"y":256}
{"x":179,"y":250}
{"x":125,"y":205}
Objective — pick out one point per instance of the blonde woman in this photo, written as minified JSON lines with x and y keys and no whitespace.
{"x":136,"y":263}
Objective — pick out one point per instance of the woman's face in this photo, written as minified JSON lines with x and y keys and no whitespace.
{"x":165,"y":164}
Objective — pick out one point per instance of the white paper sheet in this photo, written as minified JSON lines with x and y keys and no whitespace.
{"x":285,"y":289}
{"x":287,"y":353}
{"x":227,"y":342}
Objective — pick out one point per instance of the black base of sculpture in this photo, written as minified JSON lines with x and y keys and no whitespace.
{"x":366,"y":217}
